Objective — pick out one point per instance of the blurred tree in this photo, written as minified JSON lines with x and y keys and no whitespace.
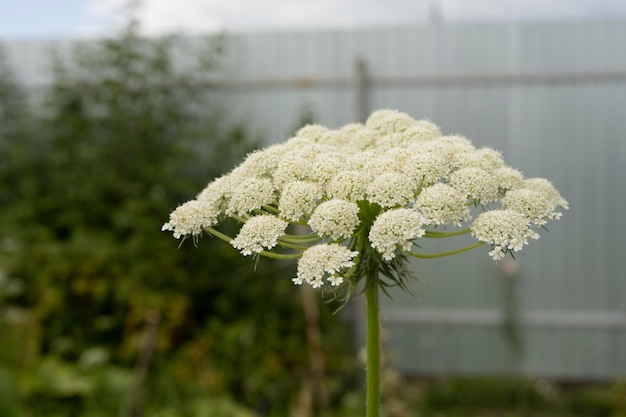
{"x":123,"y":136}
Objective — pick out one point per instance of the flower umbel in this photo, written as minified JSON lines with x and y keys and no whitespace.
{"x":321,"y":261}
{"x":378,"y":187}
{"x":259,"y":232}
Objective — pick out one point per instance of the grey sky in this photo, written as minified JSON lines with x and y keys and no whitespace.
{"x":41,"y":19}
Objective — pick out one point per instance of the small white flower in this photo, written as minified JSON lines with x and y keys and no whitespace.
{"x":532,"y":204}
{"x":190,"y":218}
{"x":388,"y":121}
{"x":396,"y":227}
{"x":253,"y":193}
{"x":261,"y":163}
{"x":381,"y":165}
{"x":547,"y":189}
{"x":298,"y":199}
{"x":476,"y":183}
{"x":509,"y":178}
{"x":291,"y":168}
{"x":491,"y":158}
{"x":326,"y":166}
{"x":218,"y":193}
{"x":391,"y":190}
{"x":348,"y":185}
{"x":359,"y":160}
{"x":426,"y":167}
{"x":351,"y":138}
{"x":314,"y":132}
{"x":440,"y":204}
{"x":504,"y":230}
{"x":497,"y":253}
{"x":400,"y":156}
{"x":335,"y":218}
{"x":259,"y":232}
{"x":325,"y":260}
{"x":422,"y":131}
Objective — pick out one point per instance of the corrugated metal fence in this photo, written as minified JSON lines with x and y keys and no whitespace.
{"x":550,"y":96}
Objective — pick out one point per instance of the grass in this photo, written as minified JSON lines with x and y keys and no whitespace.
{"x":496,"y":397}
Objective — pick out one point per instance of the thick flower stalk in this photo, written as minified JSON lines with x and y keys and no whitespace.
{"x":366,"y":197}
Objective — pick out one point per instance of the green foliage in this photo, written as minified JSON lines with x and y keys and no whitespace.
{"x":86,"y":182}
{"x":523,"y":397}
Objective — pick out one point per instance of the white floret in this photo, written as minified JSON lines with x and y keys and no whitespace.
{"x":324,"y":261}
{"x":259,"y":232}
{"x":393,"y":228}
{"x":335,"y":218}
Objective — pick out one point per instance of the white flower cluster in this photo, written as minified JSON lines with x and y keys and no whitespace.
{"x":396,"y":227}
{"x":400,"y":172}
{"x":335,"y":218}
{"x":324,"y":260}
{"x":190,"y":218}
{"x":259,"y":232}
{"x":505,"y":230}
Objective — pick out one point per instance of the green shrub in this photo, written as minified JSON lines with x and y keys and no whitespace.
{"x":87,"y":180}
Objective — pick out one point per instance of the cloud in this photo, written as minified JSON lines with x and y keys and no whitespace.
{"x":204,"y":16}
{"x":201,"y":16}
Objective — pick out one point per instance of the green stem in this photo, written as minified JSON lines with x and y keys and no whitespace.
{"x":442,"y":254}
{"x":373,"y":344}
{"x":280,"y":255}
{"x":433,"y":234}
{"x":228,"y":239}
{"x":286,"y":244}
{"x":217,"y":234}
{"x":271,"y":209}
{"x":301,"y":238}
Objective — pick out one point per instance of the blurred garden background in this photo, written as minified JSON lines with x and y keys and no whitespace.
{"x":102,"y":314}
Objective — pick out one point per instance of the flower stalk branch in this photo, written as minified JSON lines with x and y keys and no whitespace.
{"x":444,"y":254}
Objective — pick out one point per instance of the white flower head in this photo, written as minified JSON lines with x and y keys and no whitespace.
{"x":457,"y":143}
{"x":476,"y":183}
{"x":491,"y":158}
{"x":218,"y":193}
{"x":423,"y":130}
{"x":394,"y":167}
{"x":427,"y":167}
{"x":253,"y":193}
{"x":335,"y":218}
{"x":532,"y":204}
{"x":348,"y":185}
{"x":391,"y":190}
{"x":326,"y":166}
{"x":400,"y":155}
{"x":259,"y":232}
{"x":504,"y":230}
{"x":359,"y":160}
{"x":441,"y":204}
{"x":191,"y":217}
{"x":313,"y":132}
{"x":325,"y":260}
{"x":264,"y":162}
{"x":381,"y":165}
{"x":299,"y":198}
{"x":388,"y":121}
{"x":509,"y":178}
{"x":291,"y":168}
{"x":545,"y":187}
{"x":396,"y":227}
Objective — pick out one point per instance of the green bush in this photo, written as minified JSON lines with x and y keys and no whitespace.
{"x":87,"y":180}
